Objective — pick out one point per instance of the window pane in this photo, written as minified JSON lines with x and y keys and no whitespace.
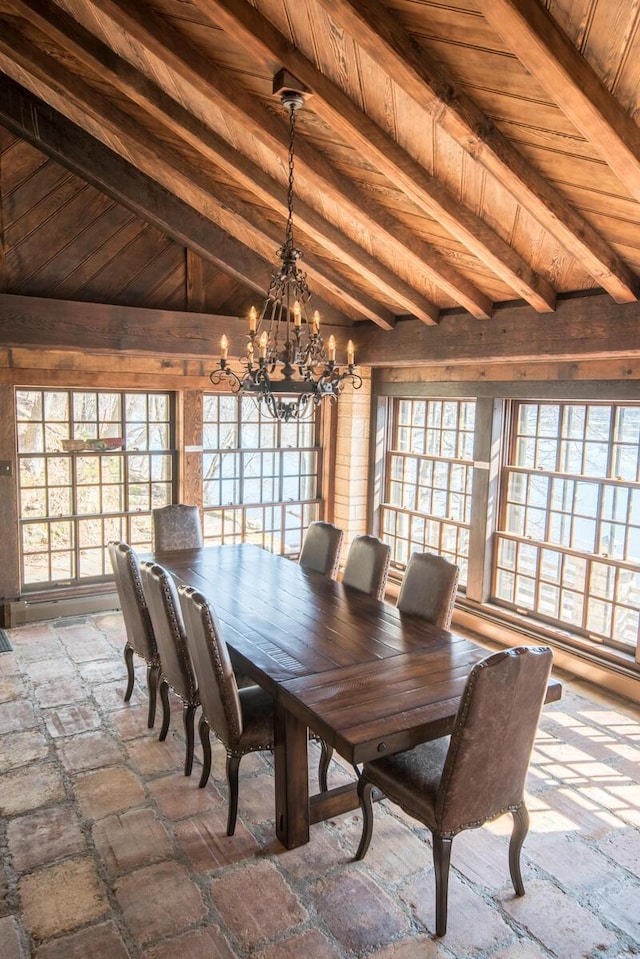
{"x":278,"y":465}
{"x":429,"y":479}
{"x":593,"y":512}
{"x":73,"y":493}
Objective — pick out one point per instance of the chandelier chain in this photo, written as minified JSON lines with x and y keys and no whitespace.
{"x":292,"y":130}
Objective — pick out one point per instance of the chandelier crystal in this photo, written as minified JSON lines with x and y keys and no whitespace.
{"x":287,"y":367}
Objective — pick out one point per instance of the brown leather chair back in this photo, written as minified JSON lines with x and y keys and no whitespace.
{"x":429,"y":588}
{"x":321,"y":548}
{"x":137,"y":622}
{"x":216,"y":678}
{"x":168,"y":627}
{"x":367,"y":566}
{"x":177,"y":527}
{"x":488,"y":758}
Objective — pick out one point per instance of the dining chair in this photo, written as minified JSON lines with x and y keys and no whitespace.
{"x":177,"y":527}
{"x":176,"y":671}
{"x":242,"y":719}
{"x":367,"y":566}
{"x":429,"y":588}
{"x":475,"y":775}
{"x":321,"y":548}
{"x":137,"y":622}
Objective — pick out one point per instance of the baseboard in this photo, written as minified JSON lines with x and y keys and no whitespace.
{"x":31,"y":611}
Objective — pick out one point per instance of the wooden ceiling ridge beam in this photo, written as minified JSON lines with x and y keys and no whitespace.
{"x":79,"y":43}
{"x":382,"y":35}
{"x":549,"y":55}
{"x":217,"y":86}
{"x":122,"y":134}
{"x":248,"y":26}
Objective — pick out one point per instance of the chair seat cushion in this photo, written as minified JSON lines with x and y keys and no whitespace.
{"x":257,"y":719}
{"x":411,"y":778}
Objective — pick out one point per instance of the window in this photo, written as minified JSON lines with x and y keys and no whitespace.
{"x":73,"y":503}
{"x":569,"y":544}
{"x":260,"y":477}
{"x":427,"y":487}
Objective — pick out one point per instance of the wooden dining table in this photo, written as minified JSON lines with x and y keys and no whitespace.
{"x":366,"y":678}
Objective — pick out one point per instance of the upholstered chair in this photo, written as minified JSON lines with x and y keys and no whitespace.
{"x":176,"y":527}
{"x":176,"y":671}
{"x":321,"y":548}
{"x":137,"y":622}
{"x":367,"y":566}
{"x":429,"y":588}
{"x":476,"y":775}
{"x":242,"y":719}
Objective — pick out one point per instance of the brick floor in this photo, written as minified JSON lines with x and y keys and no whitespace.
{"x":109,"y":851}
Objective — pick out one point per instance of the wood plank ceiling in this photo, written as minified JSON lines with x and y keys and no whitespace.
{"x":450,"y":155}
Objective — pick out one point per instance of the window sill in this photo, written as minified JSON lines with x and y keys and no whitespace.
{"x":615,"y":670}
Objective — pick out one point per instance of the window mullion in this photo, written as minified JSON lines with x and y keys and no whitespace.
{"x":484,"y":496}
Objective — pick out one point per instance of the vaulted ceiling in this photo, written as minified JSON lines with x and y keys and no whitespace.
{"x":450,"y":155}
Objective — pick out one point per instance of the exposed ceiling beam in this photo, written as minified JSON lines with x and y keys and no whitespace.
{"x":538,"y":42}
{"x":119,"y":132}
{"x":39,"y":323}
{"x":251,"y":30}
{"x":213,"y":84}
{"x":29,"y":321}
{"x":381,"y":34}
{"x":582,"y":328}
{"x":591,"y":327}
{"x":79,"y":43}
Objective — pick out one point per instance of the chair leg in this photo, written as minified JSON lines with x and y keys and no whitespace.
{"x":520,"y":830}
{"x":365,"y":791}
{"x":188,"y":718}
{"x":166,"y":710}
{"x":441,"y":860}
{"x":153,"y":678}
{"x":203,"y":729}
{"x":233,"y":765}
{"x":131,"y":676}
{"x":326,"y":752}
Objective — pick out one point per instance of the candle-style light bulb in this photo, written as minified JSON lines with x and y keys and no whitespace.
{"x":315,"y":323}
{"x":253,"y":319}
{"x":331,"y":348}
{"x":297,"y":315}
{"x":224,"y":347}
{"x":263,"y":345}
{"x":350,"y":353}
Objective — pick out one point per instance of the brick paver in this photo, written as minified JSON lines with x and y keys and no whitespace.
{"x":61,"y":897}
{"x":109,"y":850}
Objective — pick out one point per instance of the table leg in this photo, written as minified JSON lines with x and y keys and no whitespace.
{"x":291,"y":779}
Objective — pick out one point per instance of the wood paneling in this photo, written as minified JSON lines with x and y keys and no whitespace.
{"x":463,"y":154}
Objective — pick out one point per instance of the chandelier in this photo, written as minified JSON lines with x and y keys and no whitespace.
{"x":287,"y":367}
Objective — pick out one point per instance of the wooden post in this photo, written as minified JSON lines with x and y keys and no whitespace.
{"x":9,"y":565}
{"x":191,"y":463}
{"x":195,"y":292}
